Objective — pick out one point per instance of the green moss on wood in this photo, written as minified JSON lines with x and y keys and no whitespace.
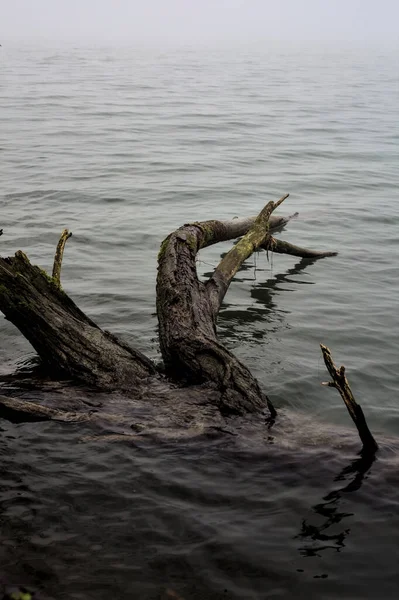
{"x":162,"y":248}
{"x":208,"y":232}
{"x":46,"y":276}
{"x":192,"y":242}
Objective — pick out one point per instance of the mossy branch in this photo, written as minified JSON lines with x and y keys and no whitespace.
{"x":257,"y":235}
{"x":59,"y":253}
{"x":340,"y":383}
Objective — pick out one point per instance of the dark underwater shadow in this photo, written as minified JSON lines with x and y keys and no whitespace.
{"x":316,"y":538}
{"x":265,"y":308}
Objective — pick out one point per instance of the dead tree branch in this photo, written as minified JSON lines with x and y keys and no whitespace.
{"x":274,"y":245}
{"x":340,"y":383}
{"x":256,"y":236}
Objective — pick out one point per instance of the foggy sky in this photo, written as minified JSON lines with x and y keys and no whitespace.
{"x":200,"y":21}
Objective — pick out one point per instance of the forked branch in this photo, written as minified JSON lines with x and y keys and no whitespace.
{"x":256,"y":236}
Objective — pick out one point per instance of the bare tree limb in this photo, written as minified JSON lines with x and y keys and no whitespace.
{"x":219,"y":282}
{"x":275,"y":245}
{"x":340,"y":383}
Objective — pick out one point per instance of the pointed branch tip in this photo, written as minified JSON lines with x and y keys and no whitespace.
{"x":340,"y":382}
{"x":276,"y":204}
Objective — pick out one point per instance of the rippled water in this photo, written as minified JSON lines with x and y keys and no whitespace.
{"x":122,"y":146}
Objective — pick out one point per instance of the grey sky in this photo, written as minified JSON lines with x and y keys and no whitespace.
{"x":208,"y":21}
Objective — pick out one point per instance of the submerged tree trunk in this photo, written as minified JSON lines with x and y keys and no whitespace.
{"x":67,"y":341}
{"x":71,"y":345}
{"x":187,"y":308}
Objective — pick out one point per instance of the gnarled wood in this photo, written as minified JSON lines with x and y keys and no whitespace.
{"x":71,"y":345}
{"x":187,"y":308}
{"x":189,"y":346}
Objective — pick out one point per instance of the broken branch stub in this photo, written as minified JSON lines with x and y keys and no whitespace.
{"x":340,"y":383}
{"x":59,"y":254}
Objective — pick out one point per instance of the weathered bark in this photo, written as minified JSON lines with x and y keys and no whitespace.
{"x":187,"y":308}
{"x":340,"y":383}
{"x":67,"y":341}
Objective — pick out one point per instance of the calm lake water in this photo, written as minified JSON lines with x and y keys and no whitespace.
{"x":124,"y":145}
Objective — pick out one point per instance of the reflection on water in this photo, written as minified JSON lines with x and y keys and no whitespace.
{"x":215,"y":518}
{"x":263,"y":290}
{"x":317,"y":538}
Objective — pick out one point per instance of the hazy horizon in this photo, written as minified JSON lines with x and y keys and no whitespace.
{"x":182,"y":22}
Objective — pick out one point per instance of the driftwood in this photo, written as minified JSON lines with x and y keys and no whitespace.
{"x":71,"y":346}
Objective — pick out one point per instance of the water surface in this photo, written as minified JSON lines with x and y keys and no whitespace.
{"x":124,"y":145}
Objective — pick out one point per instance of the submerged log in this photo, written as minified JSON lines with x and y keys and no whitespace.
{"x":17,"y":410}
{"x":68,"y":343}
{"x":71,"y":345}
